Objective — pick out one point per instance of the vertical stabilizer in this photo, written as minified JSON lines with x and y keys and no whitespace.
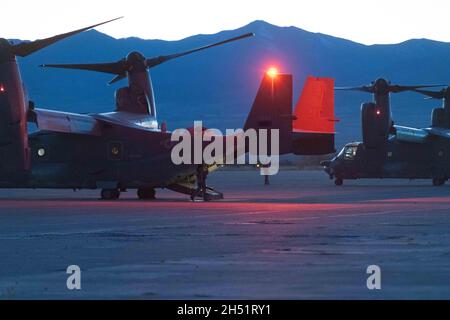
{"x":314,"y":121}
{"x":272,"y":108}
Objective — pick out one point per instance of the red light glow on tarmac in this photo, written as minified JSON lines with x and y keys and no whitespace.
{"x":427,"y":200}
{"x":234,"y":206}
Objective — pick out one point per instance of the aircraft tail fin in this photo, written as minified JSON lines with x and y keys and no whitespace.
{"x":314,"y":121}
{"x":272,"y":108}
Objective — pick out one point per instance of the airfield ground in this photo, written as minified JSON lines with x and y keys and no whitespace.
{"x":299,"y":238}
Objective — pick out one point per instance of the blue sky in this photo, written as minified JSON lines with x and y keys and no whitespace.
{"x":365,"y":21}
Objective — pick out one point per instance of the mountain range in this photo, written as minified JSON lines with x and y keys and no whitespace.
{"x":219,"y":85}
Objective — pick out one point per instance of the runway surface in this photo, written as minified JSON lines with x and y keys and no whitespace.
{"x":300,"y":238}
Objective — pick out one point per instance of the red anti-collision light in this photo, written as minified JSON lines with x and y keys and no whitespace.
{"x":378,"y":112}
{"x":272,"y":72}
{"x":2,"y":88}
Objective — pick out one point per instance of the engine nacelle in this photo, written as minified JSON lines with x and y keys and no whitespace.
{"x":123,"y":99}
{"x":438,"y":118}
{"x":375,"y":125}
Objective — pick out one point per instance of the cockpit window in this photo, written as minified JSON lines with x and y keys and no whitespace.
{"x":349,"y":153}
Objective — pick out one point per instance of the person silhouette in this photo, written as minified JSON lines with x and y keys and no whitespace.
{"x":201,"y":175}
{"x":265,"y":168}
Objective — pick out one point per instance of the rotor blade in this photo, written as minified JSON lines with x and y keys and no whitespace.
{"x":432,"y":94}
{"x":26,"y":48}
{"x":116,"y":68}
{"x":363,"y":89}
{"x":397,"y":89}
{"x":152,"y":62}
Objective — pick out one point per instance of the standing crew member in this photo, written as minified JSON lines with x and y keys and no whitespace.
{"x":266,"y":180}
{"x":265,"y":169}
{"x":201,"y":174}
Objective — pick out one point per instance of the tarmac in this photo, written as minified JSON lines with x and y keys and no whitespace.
{"x":299,"y":238}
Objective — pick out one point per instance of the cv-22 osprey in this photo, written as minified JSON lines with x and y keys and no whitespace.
{"x":394,"y":151}
{"x":126,"y":148}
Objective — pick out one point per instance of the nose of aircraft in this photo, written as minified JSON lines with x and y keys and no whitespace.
{"x":327,"y":167}
{"x":326,"y":163}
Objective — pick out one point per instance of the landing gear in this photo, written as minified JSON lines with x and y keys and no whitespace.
{"x":438,"y":182}
{"x":339,"y":181}
{"x":146,"y":193}
{"x":110,"y":194}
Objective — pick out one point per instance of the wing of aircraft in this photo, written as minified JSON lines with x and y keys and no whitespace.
{"x":416,"y":135}
{"x":128,"y":119}
{"x":65,"y":122}
{"x":441,"y":132}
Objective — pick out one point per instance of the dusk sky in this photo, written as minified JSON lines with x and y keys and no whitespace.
{"x":365,"y":21}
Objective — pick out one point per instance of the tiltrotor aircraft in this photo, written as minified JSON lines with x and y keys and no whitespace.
{"x":126,"y":149}
{"x":392,"y":151}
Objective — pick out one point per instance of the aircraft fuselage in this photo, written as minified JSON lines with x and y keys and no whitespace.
{"x":397,"y":159}
{"x":121,"y":156}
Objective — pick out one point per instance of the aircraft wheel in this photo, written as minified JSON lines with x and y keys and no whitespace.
{"x":146,"y":193}
{"x":110,"y":194}
{"x":339,"y":181}
{"x":438,"y":182}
